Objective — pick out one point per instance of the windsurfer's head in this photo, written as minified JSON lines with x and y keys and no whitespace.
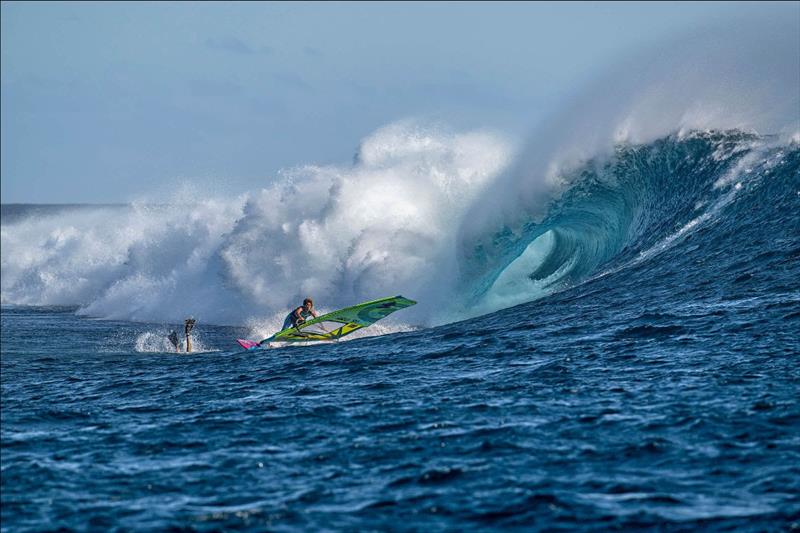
{"x":308,"y":303}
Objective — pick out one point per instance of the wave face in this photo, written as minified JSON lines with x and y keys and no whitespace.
{"x":630,"y":208}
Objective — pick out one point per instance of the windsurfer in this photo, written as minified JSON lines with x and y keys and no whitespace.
{"x":300,"y":314}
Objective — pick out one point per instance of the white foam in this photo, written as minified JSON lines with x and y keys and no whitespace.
{"x":341,"y":234}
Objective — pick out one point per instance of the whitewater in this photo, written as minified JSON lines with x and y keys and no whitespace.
{"x":606,"y":334}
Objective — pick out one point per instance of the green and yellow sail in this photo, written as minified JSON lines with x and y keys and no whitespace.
{"x":333,"y":326}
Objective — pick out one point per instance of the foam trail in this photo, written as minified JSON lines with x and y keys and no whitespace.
{"x":156,"y":341}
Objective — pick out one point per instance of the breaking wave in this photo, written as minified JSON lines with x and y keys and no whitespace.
{"x":465,"y":223}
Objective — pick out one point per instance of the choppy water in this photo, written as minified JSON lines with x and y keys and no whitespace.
{"x":656,"y":387}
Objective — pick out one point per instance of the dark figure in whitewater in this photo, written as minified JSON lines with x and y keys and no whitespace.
{"x":299,"y":315}
{"x":188,"y":325}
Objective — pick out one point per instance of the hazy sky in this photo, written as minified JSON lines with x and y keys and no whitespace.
{"x":104,"y":101}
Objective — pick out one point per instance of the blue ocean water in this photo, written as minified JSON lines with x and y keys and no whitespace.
{"x":652,"y":383}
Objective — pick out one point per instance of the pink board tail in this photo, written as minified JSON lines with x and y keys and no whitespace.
{"x":246,"y":344}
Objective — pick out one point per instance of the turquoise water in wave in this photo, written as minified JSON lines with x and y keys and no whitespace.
{"x":652,"y":385}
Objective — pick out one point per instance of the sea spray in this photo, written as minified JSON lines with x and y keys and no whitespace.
{"x":380,"y":227}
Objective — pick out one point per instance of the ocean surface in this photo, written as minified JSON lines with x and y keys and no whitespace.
{"x":624,"y":356}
